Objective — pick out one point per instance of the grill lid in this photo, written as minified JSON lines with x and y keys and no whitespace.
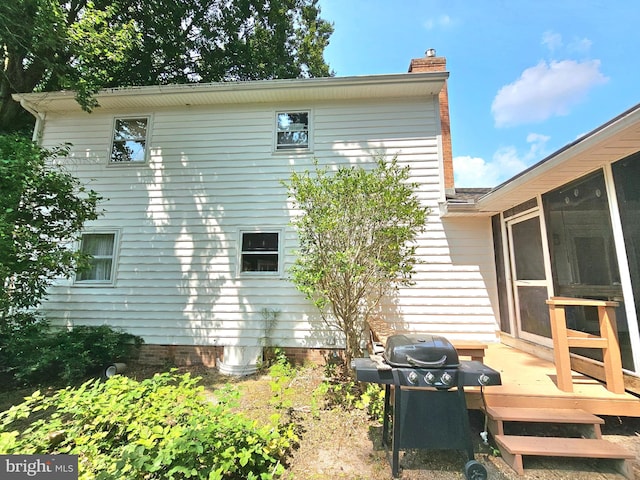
{"x":418,"y":350}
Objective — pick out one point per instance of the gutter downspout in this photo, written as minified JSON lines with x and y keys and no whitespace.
{"x":40,"y":117}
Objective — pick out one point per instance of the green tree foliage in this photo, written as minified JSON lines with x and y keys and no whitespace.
{"x":42,"y":208}
{"x":160,"y":428}
{"x":356,"y":230}
{"x":85,"y":45}
{"x":52,"y":45}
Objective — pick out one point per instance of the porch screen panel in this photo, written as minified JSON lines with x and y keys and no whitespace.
{"x":626,"y":176}
{"x":529,"y":268}
{"x":529,"y":259}
{"x":534,"y":313}
{"x":583,"y":257}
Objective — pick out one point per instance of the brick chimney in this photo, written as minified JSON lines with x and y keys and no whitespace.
{"x":431,"y":63}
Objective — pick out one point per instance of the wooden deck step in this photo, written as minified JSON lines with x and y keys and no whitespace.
{"x":499,"y":415}
{"x":514,"y":447}
{"x":543,"y":415}
{"x":562,"y":447}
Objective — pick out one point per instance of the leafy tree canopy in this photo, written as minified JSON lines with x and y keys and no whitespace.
{"x":357,"y":229}
{"x":41,"y":208}
{"x":83,"y":45}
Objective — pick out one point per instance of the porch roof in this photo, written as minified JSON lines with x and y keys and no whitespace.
{"x":612,"y":141}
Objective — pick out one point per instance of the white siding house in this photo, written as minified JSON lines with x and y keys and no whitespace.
{"x":194,"y":244}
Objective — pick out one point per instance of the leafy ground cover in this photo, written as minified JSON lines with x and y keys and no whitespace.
{"x":160,"y":428}
{"x":338,"y":440}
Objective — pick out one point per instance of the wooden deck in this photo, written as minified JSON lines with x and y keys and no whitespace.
{"x":529,"y":381}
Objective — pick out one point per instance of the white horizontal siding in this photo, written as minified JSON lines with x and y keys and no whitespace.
{"x":213,"y":171}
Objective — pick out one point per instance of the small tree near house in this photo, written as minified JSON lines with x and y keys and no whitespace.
{"x":357,"y":229}
{"x":42,"y":207}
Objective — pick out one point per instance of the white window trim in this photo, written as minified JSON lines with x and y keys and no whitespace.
{"x":294,"y":150}
{"x":114,"y":261}
{"x":146,"y":141}
{"x":279,"y":273}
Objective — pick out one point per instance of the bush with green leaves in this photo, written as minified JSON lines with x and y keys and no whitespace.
{"x":357,"y":229}
{"x":282,"y":374}
{"x":372,"y":400}
{"x":32,"y":352}
{"x":159,"y":428}
{"x":338,"y":390}
{"x":43,"y":208}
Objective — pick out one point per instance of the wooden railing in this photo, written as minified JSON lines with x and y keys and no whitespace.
{"x":564,"y":338}
{"x":381,"y":330}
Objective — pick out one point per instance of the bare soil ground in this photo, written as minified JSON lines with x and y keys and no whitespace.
{"x":339,"y":444}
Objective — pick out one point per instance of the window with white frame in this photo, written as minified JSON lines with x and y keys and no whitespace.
{"x":101,"y":249}
{"x":129,"y":143}
{"x":292,"y":130}
{"x":260,"y":252}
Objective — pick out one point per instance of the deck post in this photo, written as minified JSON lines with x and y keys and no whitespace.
{"x":560,"y":346}
{"x":564,"y":338}
{"x":611,"y":354}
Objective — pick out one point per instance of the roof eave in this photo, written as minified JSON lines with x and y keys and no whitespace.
{"x":257,"y":91}
{"x":450,"y":209}
{"x":605,"y":144}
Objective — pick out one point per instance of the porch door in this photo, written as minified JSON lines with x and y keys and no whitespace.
{"x":529,"y":280}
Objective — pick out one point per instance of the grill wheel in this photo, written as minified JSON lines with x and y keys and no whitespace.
{"x":475,"y":471}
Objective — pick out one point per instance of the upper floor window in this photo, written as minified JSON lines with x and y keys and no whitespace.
{"x":101,"y":248}
{"x":260,"y":252}
{"x":129,"y":140}
{"x":292,"y":130}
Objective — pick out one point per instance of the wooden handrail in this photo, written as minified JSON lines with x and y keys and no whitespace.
{"x":565,"y":338}
{"x":581,"y":302}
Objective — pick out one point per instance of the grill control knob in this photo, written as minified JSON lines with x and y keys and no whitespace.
{"x":429,"y":378}
{"x":446,"y":378}
{"x":484,"y":379}
{"x":413,"y":378}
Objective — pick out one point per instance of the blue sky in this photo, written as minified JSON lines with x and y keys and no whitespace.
{"x":526,"y":77}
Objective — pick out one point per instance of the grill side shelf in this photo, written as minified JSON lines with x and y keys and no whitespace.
{"x":368,"y":371}
{"x":472,"y":370}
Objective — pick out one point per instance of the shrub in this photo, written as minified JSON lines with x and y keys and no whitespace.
{"x":337,"y":390}
{"x":159,"y":428}
{"x":357,"y":229}
{"x":372,"y":400}
{"x":282,"y":374}
{"x":31,"y":352}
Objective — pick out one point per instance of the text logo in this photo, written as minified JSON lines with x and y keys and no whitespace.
{"x":49,"y":467}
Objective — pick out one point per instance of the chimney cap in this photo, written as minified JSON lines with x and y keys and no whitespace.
{"x":431,"y":52}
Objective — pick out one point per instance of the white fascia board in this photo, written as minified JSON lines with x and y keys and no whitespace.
{"x":259,"y":91}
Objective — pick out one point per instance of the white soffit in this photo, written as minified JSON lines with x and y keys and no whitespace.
{"x":243,"y":92}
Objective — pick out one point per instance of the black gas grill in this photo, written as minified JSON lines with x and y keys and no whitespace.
{"x":427,"y":409}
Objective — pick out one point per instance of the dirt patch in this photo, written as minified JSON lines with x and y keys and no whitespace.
{"x":339,"y":444}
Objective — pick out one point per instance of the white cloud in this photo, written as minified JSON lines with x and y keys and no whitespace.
{"x":552,"y":40}
{"x":544,"y":91}
{"x":506,"y":162}
{"x":580,"y":45}
{"x":441,"y":21}
{"x":474,"y":172}
{"x":445,"y":20}
{"x":538,"y":146}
